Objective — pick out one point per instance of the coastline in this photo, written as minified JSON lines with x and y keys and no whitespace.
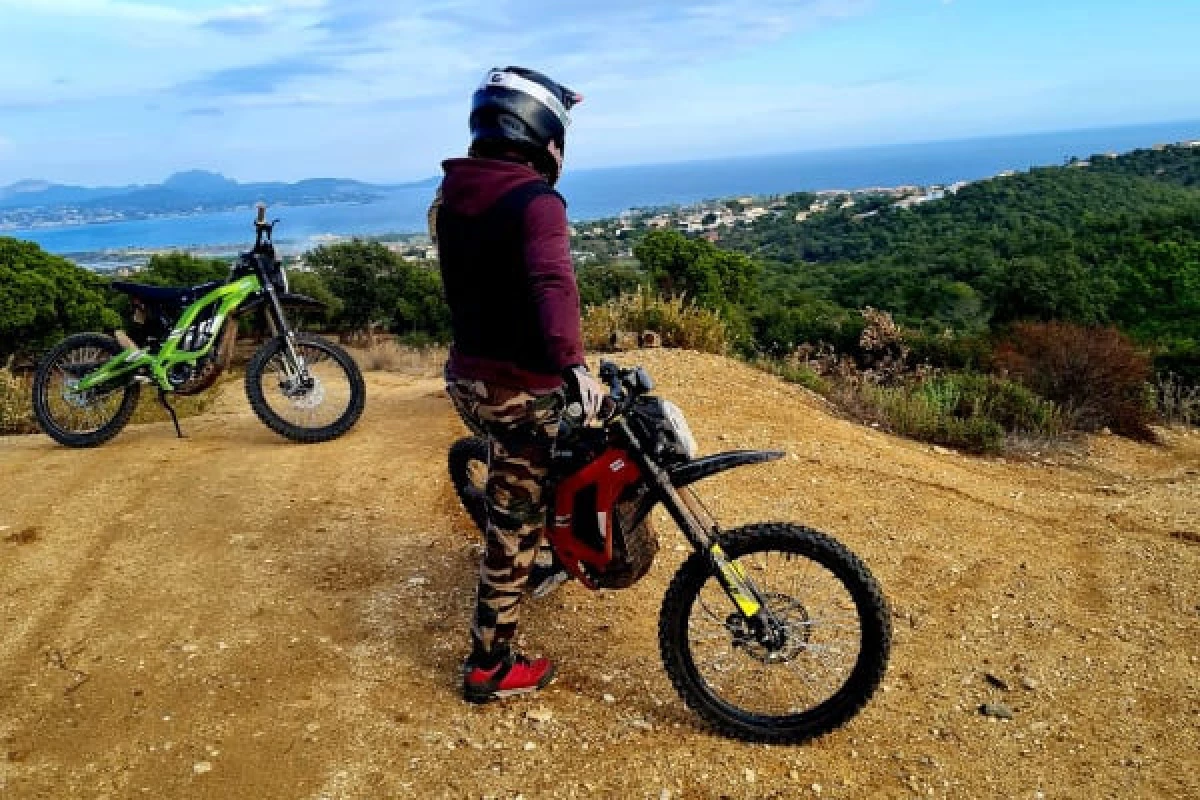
{"x":606,"y":194}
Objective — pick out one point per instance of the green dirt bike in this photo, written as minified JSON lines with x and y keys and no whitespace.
{"x":771,"y":632}
{"x":302,"y":387}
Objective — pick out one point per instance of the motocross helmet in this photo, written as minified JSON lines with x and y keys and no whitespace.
{"x":523,"y":111}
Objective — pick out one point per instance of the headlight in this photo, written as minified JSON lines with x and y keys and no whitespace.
{"x":677,"y":425}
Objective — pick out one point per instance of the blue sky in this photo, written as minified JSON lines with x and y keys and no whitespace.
{"x":119,"y":91}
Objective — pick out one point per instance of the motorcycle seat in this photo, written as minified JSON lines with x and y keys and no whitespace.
{"x":165,"y":294}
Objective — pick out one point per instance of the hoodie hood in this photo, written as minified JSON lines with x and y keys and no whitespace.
{"x":472,"y":185}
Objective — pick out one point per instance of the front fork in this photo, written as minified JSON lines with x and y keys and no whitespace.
{"x":738,"y":585}
{"x":296,"y":368}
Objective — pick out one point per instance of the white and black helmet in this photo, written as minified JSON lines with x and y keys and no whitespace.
{"x":521,"y":108}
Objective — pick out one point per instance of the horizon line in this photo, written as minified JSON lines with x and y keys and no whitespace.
{"x":404,"y":183}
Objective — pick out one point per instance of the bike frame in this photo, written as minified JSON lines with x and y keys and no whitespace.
{"x":227,"y":299}
{"x":625,"y":462}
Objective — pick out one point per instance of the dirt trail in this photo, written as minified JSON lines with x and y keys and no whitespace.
{"x":231,"y":616}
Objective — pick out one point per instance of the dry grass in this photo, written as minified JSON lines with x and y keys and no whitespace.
{"x":680,"y":323}
{"x":422,"y":362}
{"x":1178,"y":403}
{"x":150,"y":410}
{"x":16,"y":403}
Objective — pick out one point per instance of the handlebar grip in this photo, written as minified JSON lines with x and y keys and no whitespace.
{"x":262,"y":213}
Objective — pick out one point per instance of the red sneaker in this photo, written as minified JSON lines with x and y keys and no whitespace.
{"x":514,"y":675}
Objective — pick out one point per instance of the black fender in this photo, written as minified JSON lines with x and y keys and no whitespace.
{"x":701,"y":468}
{"x":291,"y":300}
{"x":287,"y":300}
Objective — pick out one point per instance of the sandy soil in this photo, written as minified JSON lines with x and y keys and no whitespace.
{"x":232,"y":616}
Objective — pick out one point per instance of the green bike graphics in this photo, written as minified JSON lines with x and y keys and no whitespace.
{"x":304,"y":388}
{"x":171,"y":355}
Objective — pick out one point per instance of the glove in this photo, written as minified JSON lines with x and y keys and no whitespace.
{"x":582,"y":388}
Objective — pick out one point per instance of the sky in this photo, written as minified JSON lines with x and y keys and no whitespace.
{"x":103,"y":92}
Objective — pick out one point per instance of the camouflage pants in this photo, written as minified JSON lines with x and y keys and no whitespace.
{"x":521,"y":428}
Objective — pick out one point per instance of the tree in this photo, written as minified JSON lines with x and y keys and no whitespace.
{"x":182,"y":269}
{"x":713,"y":277}
{"x":377,"y":287}
{"x":360,"y":274}
{"x":44,"y":298}
{"x":599,"y":283}
{"x":419,"y":306}
{"x":311,"y":285}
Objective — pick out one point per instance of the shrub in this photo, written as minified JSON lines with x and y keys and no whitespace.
{"x":950,"y":350}
{"x":882,"y":347}
{"x":977,"y":413}
{"x":783,"y":324}
{"x":1178,"y":403}
{"x":1096,"y":375}
{"x":16,"y":403}
{"x":794,"y":370}
{"x":680,"y":323}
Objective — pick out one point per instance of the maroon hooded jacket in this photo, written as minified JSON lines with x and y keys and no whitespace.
{"x":505,"y":253}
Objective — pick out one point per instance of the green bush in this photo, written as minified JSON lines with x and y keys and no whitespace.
{"x":949,"y":350}
{"x":794,"y":372}
{"x":972,"y":412}
{"x":43,"y":298}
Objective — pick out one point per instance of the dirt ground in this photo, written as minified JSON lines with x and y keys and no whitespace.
{"x":233,"y":616}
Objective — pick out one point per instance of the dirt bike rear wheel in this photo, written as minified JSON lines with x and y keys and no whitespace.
{"x":832,"y":659}
{"x":81,"y":419}
{"x":468,"y":465}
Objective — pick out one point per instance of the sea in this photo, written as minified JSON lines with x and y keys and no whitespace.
{"x":600,"y":193}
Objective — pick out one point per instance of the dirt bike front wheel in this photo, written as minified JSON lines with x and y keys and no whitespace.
{"x":313,"y":401}
{"x":468,"y":464}
{"x":77,"y":418}
{"x":786,"y":689}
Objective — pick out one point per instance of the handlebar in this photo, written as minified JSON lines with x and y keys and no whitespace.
{"x":263,"y":230}
{"x":624,"y":386}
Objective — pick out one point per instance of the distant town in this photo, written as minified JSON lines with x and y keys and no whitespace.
{"x":613,"y":238}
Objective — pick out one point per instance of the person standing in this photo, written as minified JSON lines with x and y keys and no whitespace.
{"x":505,"y":253}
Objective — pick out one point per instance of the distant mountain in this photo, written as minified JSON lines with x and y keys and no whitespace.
{"x":21,"y":187}
{"x":184,"y":192}
{"x":198,"y":180}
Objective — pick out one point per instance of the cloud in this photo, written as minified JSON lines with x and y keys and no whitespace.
{"x":345,"y":52}
{"x":255,"y":79}
{"x":623,"y":36}
{"x":240,"y":22}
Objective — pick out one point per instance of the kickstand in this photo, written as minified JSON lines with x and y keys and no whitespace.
{"x":162,"y":398}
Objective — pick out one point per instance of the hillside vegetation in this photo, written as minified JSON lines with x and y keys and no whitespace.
{"x":1109,"y":247}
{"x":1116,"y":242}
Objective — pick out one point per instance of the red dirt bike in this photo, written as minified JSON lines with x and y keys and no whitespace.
{"x":771,"y":632}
